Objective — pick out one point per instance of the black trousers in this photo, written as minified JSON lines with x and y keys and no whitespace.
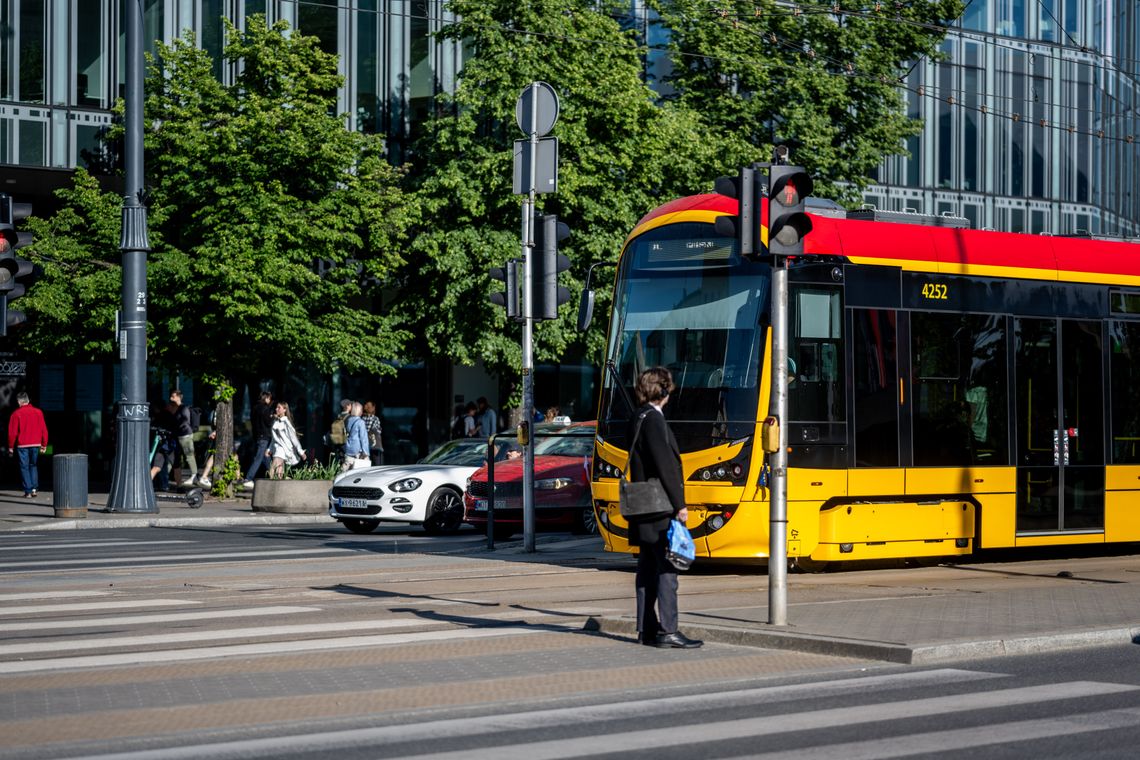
{"x":656,"y":590}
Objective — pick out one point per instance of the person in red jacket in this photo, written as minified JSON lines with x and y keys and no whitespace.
{"x":27,"y":436}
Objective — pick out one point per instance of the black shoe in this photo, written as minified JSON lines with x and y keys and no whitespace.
{"x":676,"y":640}
{"x":647,"y":639}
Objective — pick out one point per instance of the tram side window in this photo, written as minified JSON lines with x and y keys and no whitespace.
{"x":958,"y":390}
{"x":815,"y":364}
{"x":876,"y":388}
{"x":1125,"y":342}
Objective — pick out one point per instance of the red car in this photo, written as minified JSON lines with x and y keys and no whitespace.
{"x":562,"y":499}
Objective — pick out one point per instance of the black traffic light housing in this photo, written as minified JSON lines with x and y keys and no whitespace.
{"x":509,"y":276}
{"x":12,"y":268}
{"x":744,"y":226}
{"x":788,"y":223}
{"x":546,"y":262}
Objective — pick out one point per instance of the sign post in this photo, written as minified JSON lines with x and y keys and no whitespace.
{"x":535,"y":112}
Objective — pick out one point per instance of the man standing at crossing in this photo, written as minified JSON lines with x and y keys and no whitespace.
{"x":28,"y":438}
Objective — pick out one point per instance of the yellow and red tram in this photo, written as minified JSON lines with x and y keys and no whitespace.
{"x":949,"y":389}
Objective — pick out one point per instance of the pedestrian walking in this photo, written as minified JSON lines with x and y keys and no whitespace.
{"x":261,"y":419}
{"x":356,"y":440}
{"x":185,"y":432}
{"x":285,"y":448}
{"x":375,"y":433}
{"x":656,"y":455}
{"x":27,"y":439}
{"x":487,"y":418}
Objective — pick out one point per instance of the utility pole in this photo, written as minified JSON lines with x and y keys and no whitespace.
{"x":131,"y":487}
{"x":536,"y":171}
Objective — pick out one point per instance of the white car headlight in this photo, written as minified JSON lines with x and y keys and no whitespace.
{"x":553,"y":484}
{"x":407,"y":484}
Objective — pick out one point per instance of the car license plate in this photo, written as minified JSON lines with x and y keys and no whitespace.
{"x":480,"y":505}
{"x":354,"y":503}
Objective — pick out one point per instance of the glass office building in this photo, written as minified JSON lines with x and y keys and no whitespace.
{"x":1031,"y":123}
{"x":61,"y":66}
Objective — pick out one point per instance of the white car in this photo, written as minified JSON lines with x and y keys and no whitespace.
{"x":429,"y":492}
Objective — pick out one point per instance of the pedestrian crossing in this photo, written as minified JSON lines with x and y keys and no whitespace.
{"x":664,"y":726}
{"x":59,"y":634}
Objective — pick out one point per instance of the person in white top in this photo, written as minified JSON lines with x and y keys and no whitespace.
{"x":285,"y":447}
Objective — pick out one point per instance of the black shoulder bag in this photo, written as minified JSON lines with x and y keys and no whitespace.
{"x":645,"y":500}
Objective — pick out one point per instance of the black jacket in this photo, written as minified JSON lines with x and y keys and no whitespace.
{"x":656,"y":455}
{"x":261,"y":418}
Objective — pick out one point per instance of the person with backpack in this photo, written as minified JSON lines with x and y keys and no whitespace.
{"x":373,"y":428}
{"x":185,"y":433}
{"x":338,"y":432}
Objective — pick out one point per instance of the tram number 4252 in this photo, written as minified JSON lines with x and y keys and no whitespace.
{"x":935,"y":291}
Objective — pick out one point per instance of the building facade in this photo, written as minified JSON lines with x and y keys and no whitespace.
{"x":1030,"y":124}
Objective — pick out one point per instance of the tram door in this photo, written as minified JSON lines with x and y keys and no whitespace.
{"x":1060,"y":425}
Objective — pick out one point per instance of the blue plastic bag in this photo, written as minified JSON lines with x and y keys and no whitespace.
{"x":681,"y":551}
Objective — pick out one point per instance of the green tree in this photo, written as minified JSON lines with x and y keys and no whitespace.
{"x":250,"y":185}
{"x":621,"y":153}
{"x":820,"y":77}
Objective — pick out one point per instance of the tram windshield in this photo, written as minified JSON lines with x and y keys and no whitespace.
{"x":686,"y":300}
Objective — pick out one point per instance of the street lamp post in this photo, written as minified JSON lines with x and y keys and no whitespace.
{"x":131,"y":488}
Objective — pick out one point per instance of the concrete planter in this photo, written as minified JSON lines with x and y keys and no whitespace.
{"x":294,"y":497}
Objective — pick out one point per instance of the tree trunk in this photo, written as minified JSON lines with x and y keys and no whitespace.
{"x":224,"y":441}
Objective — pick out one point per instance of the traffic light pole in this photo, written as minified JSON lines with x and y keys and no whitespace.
{"x":778,"y":408}
{"x":529,"y":255}
{"x":131,"y":487}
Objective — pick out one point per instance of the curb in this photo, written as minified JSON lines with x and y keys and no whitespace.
{"x":895,"y":652}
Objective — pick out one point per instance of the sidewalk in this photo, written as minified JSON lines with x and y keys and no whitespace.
{"x":20,"y":514}
{"x":1013,"y":604}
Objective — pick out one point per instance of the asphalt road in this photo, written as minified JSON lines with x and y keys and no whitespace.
{"x":305,"y":641}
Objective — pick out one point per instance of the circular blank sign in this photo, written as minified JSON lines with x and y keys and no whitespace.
{"x":538,"y":102}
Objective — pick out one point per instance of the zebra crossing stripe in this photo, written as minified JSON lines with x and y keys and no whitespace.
{"x":260,"y":648}
{"x":61,"y":609}
{"x":458,"y":728}
{"x":176,"y":617}
{"x":966,"y":738}
{"x":156,"y":558}
{"x":700,"y":733}
{"x":89,"y":545}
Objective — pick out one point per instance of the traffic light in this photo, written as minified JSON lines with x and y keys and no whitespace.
{"x":508,"y":275}
{"x":788,"y":223}
{"x":11,"y":267}
{"x":744,"y":225}
{"x":546,"y":262}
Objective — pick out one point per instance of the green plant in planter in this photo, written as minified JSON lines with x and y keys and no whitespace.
{"x":313,"y":470}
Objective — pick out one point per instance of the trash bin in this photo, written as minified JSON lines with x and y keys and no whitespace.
{"x":69,"y":476}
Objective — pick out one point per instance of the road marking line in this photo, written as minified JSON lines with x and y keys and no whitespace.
{"x":89,"y":545}
{"x":549,"y":718}
{"x":262,"y":648}
{"x":247,"y":555}
{"x":51,"y":595}
{"x":116,"y":642}
{"x":744,"y":728}
{"x":61,"y":609}
{"x":43,"y":625}
{"x":965,"y":738}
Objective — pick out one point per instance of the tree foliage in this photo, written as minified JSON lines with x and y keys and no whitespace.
{"x":256,"y":182}
{"x":621,"y":153}
{"x":819,"y":77}
{"x":249,"y":185}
